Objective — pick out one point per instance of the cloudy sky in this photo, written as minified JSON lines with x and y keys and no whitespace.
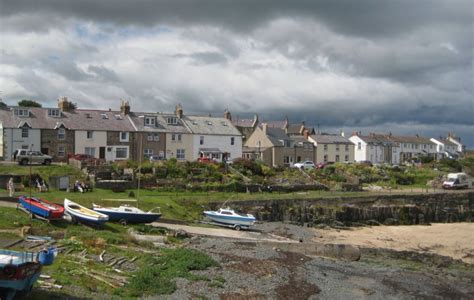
{"x":404,"y":66}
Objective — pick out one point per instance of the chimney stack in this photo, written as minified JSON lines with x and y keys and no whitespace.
{"x":264,"y":127}
{"x":179,"y":111}
{"x":306,"y":134}
{"x":355,"y":133}
{"x":227,"y":115}
{"x":124,"y":107}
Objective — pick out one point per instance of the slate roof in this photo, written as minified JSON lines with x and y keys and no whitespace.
{"x":416,"y":139}
{"x":330,"y":139}
{"x":276,"y":135}
{"x":161,"y":125}
{"x":79,"y":119}
{"x":210,"y":125}
{"x":243,"y":123}
{"x":377,"y":139}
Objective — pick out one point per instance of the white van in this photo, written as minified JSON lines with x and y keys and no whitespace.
{"x":457,"y":181}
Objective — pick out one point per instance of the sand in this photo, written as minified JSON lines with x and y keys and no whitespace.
{"x":455,"y":240}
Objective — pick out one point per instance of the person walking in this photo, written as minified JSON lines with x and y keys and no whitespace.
{"x":11,"y":187}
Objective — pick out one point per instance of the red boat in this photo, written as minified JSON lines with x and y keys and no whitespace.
{"x":41,"y":207}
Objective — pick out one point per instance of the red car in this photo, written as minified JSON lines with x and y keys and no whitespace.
{"x":206,"y":160}
{"x":83,"y":156}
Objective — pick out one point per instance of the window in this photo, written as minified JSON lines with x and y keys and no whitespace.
{"x":150,"y":121}
{"x":118,"y":117}
{"x":24,"y":132}
{"x":179,"y":137}
{"x":337,"y":147}
{"x":90,"y":151}
{"x":347,"y":148}
{"x":124,"y":136}
{"x":232,"y":140}
{"x":22,"y":112}
{"x":121,"y":152}
{"x":149,"y":137}
{"x":172,"y":120}
{"x":53,"y":113}
{"x":359,"y":145}
{"x":161,"y":154}
{"x":173,"y":137}
{"x":61,"y":134}
{"x":90,"y":135}
{"x":337,"y":157}
{"x":346,"y":158}
{"x":325,"y":158}
{"x":325,"y":147}
{"x":287,"y":143}
{"x":104,"y":116}
{"x":201,"y":140}
{"x":61,"y":151}
{"x":180,"y":153}
{"x":156,"y":137}
{"x":148,"y":152}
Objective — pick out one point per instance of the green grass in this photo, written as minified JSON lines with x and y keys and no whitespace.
{"x":157,"y":275}
{"x":43,"y":171}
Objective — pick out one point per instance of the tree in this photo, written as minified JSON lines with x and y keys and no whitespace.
{"x":28,"y":103}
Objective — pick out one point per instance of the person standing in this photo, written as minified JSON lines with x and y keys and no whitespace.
{"x":11,"y":187}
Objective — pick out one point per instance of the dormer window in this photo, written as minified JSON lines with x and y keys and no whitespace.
{"x":88,"y":116}
{"x":150,"y":121}
{"x":55,"y":113}
{"x":118,"y":117}
{"x":172,"y":120}
{"x":209,"y":123}
{"x":21,"y":112}
{"x":224,"y":124}
{"x":104,"y":116}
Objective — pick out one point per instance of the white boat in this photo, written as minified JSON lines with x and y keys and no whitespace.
{"x":128,"y":214}
{"x":230,"y":217}
{"x":83,"y":214}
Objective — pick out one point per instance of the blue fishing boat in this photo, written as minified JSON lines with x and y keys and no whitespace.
{"x":128,"y":214}
{"x":20,"y":270}
{"x":228,"y":216}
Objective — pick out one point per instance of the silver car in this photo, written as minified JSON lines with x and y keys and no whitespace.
{"x":24,"y":157}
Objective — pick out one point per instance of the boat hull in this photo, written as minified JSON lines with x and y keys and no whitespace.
{"x":129,"y":217}
{"x":41,"y":207}
{"x":229,"y":220}
{"x":87,"y":216}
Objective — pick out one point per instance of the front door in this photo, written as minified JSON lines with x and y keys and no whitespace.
{"x":102,"y":152}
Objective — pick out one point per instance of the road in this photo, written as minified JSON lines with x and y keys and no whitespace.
{"x":224,"y":233}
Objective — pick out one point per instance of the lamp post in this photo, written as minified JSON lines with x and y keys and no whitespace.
{"x":31,"y":182}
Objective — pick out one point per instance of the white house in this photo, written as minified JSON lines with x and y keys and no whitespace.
{"x":213,"y":137}
{"x":414,"y":146}
{"x":457,"y":141}
{"x":376,"y":148}
{"x":19,"y":131}
{"x":445,"y":148}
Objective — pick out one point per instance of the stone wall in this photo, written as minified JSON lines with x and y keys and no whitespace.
{"x":384,"y":209}
{"x":50,"y":143}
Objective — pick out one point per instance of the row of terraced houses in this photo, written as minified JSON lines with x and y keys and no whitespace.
{"x":114,"y":135}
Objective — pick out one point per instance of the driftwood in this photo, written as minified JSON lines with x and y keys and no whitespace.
{"x":101,"y":256}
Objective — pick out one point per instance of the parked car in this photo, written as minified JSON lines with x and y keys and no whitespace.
{"x":24,"y":157}
{"x":306,"y":165}
{"x":457,"y":181}
{"x":83,"y":156}
{"x":206,"y":160}
{"x":153,"y":158}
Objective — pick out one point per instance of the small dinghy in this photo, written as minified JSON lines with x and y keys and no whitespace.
{"x":80,"y":213}
{"x":128,"y":214}
{"x":41,"y":208}
{"x":20,"y":270}
{"x":228,"y":216}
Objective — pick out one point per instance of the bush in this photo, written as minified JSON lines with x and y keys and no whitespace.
{"x":405,"y":179}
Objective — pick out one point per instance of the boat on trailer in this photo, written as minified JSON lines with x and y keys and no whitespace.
{"x":128,"y":214}
{"x":20,"y":270}
{"x":82,"y":214}
{"x":41,"y":208}
{"x":227,"y":216}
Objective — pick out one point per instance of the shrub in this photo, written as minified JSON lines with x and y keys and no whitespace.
{"x":404,"y":179}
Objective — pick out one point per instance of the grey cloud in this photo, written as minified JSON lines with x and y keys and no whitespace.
{"x":103,"y":73}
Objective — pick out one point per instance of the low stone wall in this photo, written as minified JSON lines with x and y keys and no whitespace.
{"x":116,"y":185}
{"x":380,"y":209}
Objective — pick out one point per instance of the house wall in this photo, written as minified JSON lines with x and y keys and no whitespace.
{"x":113,"y":142}
{"x":2,"y":154}
{"x":99,"y":139}
{"x":51,"y":142}
{"x":258,"y":136}
{"x":375,"y":153}
{"x":186,"y":143}
{"x":141,"y":142}
{"x":409,"y":151}
{"x":13,"y":141}
{"x":218,"y":141}
{"x":359,"y":154}
{"x":332,"y":151}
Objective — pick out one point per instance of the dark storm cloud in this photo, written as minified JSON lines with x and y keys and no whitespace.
{"x":366,"y":18}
